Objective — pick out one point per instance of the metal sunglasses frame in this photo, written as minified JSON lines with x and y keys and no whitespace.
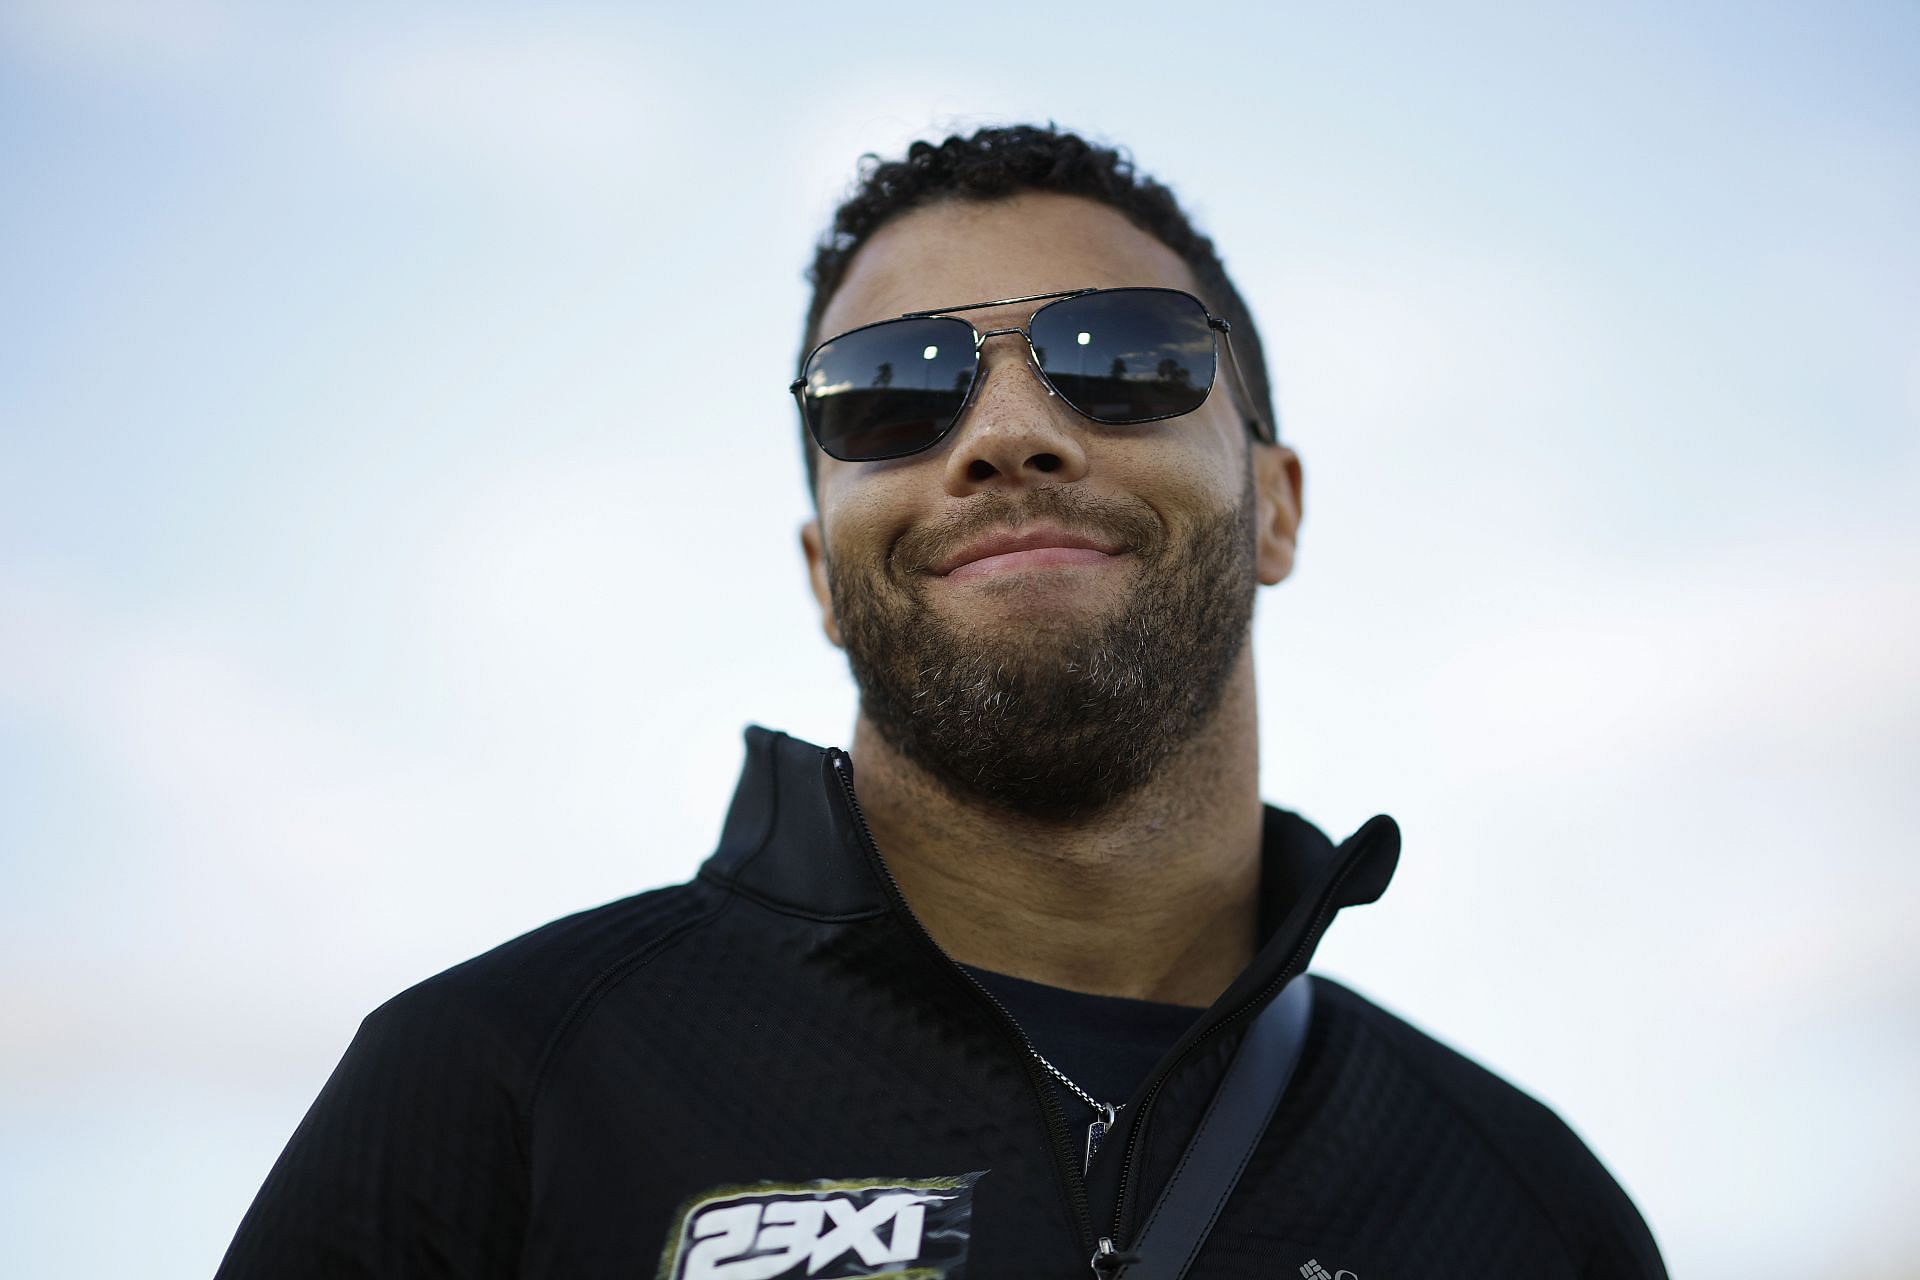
{"x":1216,"y":324}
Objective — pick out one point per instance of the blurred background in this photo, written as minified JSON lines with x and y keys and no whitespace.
{"x":398,"y":495}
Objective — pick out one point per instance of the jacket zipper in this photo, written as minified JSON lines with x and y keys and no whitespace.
{"x":1322,"y":915}
{"x":1104,"y":1247}
{"x":1043,"y":1086}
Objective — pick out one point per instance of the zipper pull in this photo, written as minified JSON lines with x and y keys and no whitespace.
{"x":1108,"y":1260}
{"x":1096,"y":1134}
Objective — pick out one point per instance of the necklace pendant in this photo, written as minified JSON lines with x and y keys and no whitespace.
{"x":1096,"y":1134}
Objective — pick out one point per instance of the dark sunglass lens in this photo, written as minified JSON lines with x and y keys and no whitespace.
{"x":889,"y":389}
{"x":1127,"y":355}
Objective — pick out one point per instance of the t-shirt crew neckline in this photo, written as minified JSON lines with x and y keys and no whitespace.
{"x":1106,"y":1044}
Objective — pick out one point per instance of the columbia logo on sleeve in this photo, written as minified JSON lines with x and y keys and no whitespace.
{"x":1312,"y":1270}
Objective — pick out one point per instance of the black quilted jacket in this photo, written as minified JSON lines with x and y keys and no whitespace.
{"x":773,"y":1073}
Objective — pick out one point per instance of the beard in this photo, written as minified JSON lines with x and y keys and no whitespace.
{"x":1052,"y":720}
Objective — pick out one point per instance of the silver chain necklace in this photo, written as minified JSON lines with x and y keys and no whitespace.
{"x":1103,"y":1113}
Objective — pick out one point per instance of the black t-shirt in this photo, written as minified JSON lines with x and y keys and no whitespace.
{"x":1106,"y":1044}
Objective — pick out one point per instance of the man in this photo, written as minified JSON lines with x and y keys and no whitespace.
{"x":965,"y":1017}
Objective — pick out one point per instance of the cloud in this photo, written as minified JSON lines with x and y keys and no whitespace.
{"x":1797,"y":645}
{"x":177,"y":708}
{"x":524,"y":102}
{"x":251,"y":824}
{"x":121,"y":38}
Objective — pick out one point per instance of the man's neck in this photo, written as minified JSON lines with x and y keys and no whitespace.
{"x":1155,"y":899}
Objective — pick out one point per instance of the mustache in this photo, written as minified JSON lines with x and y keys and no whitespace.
{"x":1131,"y":523}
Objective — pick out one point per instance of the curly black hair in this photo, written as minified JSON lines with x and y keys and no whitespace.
{"x":1002,"y":161}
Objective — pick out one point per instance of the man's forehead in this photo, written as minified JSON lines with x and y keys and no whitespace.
{"x":956,"y":252}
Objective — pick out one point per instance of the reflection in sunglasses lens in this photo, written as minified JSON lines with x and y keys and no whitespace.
{"x":889,"y":389}
{"x":1127,"y":355}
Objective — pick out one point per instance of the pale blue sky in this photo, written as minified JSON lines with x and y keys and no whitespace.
{"x":398,"y":492}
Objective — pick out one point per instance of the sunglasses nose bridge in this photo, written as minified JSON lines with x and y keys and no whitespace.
{"x":1033,"y":357}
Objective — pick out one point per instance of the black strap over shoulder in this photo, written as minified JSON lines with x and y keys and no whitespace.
{"x":1228,"y":1133}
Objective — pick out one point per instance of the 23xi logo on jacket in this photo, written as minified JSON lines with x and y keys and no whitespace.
{"x":904,"y":1228}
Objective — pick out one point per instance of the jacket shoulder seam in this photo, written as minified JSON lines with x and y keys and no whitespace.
{"x":1467,"y":1116}
{"x":728,"y":884}
{"x":583,"y":1004}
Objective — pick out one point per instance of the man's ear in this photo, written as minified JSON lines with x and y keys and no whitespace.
{"x":1276,"y":483}
{"x":816,"y":553}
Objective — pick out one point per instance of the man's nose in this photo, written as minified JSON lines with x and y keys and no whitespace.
{"x":1015,"y":431}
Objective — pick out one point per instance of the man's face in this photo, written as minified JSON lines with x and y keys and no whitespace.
{"x":1041,"y":609}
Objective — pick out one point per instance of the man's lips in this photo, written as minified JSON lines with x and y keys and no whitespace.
{"x":1026,"y":549}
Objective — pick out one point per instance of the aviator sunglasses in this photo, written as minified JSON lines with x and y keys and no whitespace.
{"x":1117,"y":356}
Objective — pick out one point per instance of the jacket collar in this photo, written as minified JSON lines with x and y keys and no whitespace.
{"x":794,"y":842}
